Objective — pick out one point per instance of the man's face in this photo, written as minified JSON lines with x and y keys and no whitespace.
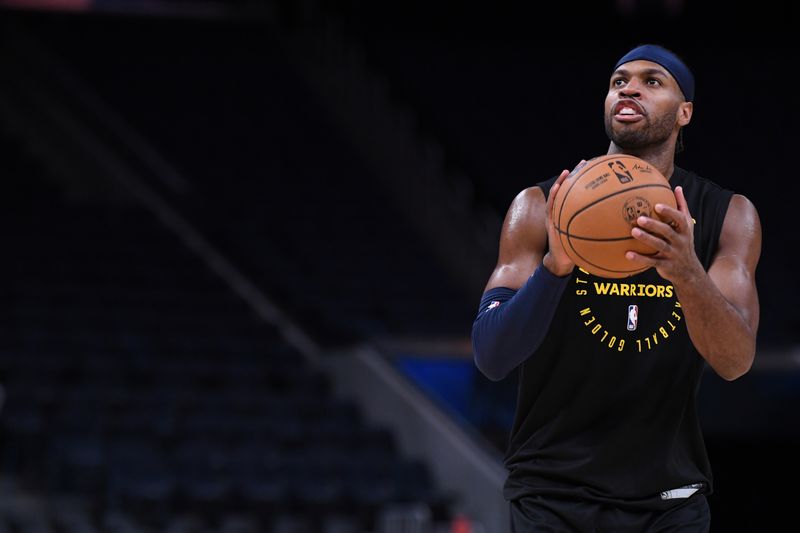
{"x":642,"y":105}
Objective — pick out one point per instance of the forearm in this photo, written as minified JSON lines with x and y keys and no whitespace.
{"x":719,"y":331}
{"x":505,"y":334}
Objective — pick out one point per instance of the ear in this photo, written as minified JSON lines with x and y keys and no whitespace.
{"x":685,"y":113}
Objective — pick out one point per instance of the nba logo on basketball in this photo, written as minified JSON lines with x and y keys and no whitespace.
{"x":633,"y":317}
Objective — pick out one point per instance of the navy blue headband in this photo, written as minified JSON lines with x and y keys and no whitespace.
{"x":668,"y":60}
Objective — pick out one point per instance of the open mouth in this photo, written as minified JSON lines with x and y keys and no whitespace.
{"x":628,"y":111}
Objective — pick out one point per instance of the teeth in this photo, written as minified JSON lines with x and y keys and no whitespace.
{"x":627,"y":111}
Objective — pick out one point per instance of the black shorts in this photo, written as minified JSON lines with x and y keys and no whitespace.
{"x":536,"y":514}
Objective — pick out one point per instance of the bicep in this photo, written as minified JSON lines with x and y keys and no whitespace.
{"x":522,"y":241}
{"x":734,"y":265}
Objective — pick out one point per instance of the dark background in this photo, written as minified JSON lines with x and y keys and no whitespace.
{"x":513,"y":93}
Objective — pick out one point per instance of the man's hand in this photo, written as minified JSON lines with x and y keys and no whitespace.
{"x":556,"y":260}
{"x":673,"y":239}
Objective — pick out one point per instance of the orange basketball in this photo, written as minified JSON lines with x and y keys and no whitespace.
{"x":596,"y":207}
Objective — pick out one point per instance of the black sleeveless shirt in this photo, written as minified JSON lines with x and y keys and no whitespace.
{"x":606,"y":405}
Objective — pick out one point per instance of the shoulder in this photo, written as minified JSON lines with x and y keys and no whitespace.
{"x":741,"y":210}
{"x":529,"y":196}
{"x":528,"y":203}
{"x":526,"y":208}
{"x":741,"y":231}
{"x":740,"y":237}
{"x":740,"y":201}
{"x":535,"y":194}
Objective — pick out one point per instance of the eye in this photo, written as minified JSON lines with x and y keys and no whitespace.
{"x":654,"y":82}
{"x":617,"y":82}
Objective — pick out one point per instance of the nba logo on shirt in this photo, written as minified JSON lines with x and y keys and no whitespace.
{"x":492,"y":305}
{"x":633,"y":317}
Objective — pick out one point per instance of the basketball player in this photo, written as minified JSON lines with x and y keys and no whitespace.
{"x":606,"y":435}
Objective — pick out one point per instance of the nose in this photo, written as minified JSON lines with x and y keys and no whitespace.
{"x":630,"y":89}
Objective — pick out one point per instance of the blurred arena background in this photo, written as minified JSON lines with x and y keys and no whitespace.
{"x":245,"y":241}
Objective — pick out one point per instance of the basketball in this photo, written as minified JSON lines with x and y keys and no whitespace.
{"x":596,"y":207}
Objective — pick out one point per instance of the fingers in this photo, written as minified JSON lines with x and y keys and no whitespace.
{"x":670,"y":215}
{"x":554,"y":190}
{"x":642,"y":259}
{"x":556,"y":185}
{"x":683,"y":206}
{"x":662,"y":229}
{"x":651,"y":240}
{"x":561,"y":177}
{"x":670,"y":237}
{"x":677,"y":218}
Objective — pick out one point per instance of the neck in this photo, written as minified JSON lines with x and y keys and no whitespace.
{"x":663,"y":160}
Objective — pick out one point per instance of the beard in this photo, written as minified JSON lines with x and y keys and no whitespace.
{"x":654,"y":132}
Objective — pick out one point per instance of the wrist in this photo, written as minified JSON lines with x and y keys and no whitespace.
{"x":690,"y":278}
{"x":555,"y":268}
